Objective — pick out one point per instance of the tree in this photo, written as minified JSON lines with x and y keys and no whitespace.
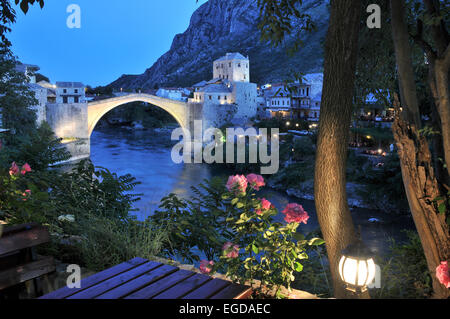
{"x":335,"y":117}
{"x":8,"y":15}
{"x":427,"y":203}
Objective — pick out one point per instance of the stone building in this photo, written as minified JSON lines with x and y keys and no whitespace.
{"x":70,"y":92}
{"x":29,"y":70}
{"x":229,"y":95}
{"x":298,"y":100}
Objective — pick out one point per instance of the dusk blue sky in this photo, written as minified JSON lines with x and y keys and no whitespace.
{"x":116,"y":37}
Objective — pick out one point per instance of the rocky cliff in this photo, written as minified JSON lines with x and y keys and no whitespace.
{"x":221,"y":26}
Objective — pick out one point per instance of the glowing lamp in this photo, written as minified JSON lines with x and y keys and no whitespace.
{"x":357,"y":267}
{"x":288,"y":123}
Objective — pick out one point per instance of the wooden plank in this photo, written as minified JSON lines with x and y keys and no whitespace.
{"x":209,"y":289}
{"x":24,"y":239}
{"x":8,"y":230}
{"x":161,"y":285}
{"x":95,"y":279}
{"x":184,"y":287}
{"x":22,"y":273}
{"x":115,"y":281}
{"x":139,"y":282}
{"x":233,"y":291}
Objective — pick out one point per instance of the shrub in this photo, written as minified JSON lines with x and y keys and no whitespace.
{"x":404,"y":273}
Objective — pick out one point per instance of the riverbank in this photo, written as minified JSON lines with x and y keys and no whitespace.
{"x":306,"y":191}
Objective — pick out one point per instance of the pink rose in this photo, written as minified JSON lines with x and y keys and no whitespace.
{"x":230,"y":250}
{"x":25,"y":169}
{"x":14,"y":170}
{"x":26,"y":194}
{"x":206,"y":266}
{"x":265,"y":204}
{"x":443,"y":274}
{"x":256,"y":181}
{"x":237,"y":184}
{"x":295,"y":214}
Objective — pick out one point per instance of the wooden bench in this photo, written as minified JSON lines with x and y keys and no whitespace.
{"x":19,"y":262}
{"x":139,"y":278}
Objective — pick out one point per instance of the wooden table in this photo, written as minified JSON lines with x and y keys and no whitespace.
{"x":139,"y":278}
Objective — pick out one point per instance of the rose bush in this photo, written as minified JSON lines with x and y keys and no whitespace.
{"x":272,"y":253}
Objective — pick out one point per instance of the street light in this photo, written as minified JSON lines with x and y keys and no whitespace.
{"x":357,"y":267}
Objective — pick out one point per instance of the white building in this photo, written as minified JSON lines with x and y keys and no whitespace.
{"x":232,"y":67}
{"x":40,"y":92}
{"x":229,"y":86}
{"x":300,"y":101}
{"x":171,"y":93}
{"x":70,"y":92}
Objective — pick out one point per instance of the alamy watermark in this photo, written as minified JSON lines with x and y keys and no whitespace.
{"x":374,"y":19}
{"x":208,"y":146}
{"x":74,"y":279}
{"x":74,"y":19}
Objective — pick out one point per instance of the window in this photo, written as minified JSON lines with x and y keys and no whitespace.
{"x":210,"y":97}
{"x":65,"y":99}
{"x":221,"y":65}
{"x":287,"y":102}
{"x":229,"y":64}
{"x":283,"y":102}
{"x":218,"y":97}
{"x":76,"y":90}
{"x":76,"y":99}
{"x":245,"y":77}
{"x":247,"y":65}
{"x":239,"y":65}
{"x":225,"y":97}
{"x":65,"y":91}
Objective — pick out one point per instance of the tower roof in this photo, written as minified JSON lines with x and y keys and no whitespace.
{"x":232,"y":56}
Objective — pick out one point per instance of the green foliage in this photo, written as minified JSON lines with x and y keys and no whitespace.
{"x":384,"y":186}
{"x":404,"y":273}
{"x":194,"y":225}
{"x":95,"y":191}
{"x":16,"y":99}
{"x":271,"y":252}
{"x":277,"y":17}
{"x":107,"y":242}
{"x":41,"y":150}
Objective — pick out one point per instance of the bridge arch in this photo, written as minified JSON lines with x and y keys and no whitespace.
{"x":97,"y":109}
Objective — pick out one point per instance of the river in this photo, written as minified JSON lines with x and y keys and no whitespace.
{"x":146,"y":155}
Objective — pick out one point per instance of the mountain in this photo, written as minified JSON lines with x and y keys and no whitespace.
{"x":221,"y":26}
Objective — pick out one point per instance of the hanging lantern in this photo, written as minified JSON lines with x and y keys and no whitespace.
{"x":357,"y":267}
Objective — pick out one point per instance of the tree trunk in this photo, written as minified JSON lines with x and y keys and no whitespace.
{"x":421,"y":188}
{"x":332,"y":146}
{"x":418,"y":174}
{"x":439,"y":81}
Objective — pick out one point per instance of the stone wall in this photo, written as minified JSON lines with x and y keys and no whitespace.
{"x":217,"y":115}
{"x":245,"y":97}
{"x":40,"y":108}
{"x":68,"y":120}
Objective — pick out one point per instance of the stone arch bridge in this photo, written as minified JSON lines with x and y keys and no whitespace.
{"x":74,"y":123}
{"x":96,"y":110}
